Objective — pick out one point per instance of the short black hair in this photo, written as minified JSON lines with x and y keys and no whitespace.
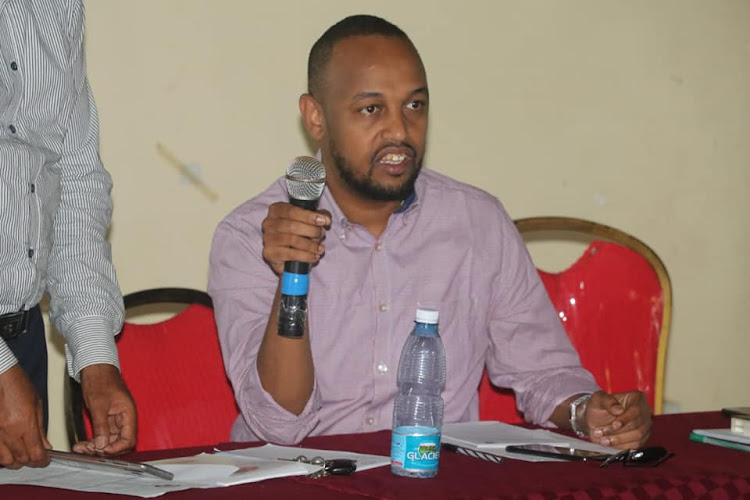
{"x":358,"y":25}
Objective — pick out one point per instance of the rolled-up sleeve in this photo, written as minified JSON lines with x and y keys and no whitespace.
{"x":529,"y":349}
{"x":242,"y":287}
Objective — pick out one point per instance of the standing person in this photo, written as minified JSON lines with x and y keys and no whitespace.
{"x":55,"y":209}
{"x":390,"y":236}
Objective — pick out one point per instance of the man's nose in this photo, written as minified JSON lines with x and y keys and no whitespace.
{"x":396,"y":127}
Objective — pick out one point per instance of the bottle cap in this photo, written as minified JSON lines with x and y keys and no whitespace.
{"x":429,"y":316}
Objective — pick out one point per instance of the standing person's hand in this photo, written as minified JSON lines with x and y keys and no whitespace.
{"x":112,"y":410}
{"x":22,"y":437}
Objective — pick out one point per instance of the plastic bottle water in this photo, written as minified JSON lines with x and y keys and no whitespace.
{"x":418,"y":410}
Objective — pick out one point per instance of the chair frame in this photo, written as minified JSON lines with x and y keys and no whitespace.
{"x":602,"y":231}
{"x":73,"y":394}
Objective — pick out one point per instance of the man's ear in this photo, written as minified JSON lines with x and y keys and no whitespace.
{"x":312,"y":116}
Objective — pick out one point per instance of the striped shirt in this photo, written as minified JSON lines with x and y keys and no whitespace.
{"x":55,"y":204}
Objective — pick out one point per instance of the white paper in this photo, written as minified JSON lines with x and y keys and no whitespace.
{"x":494,"y":436}
{"x":212,"y":470}
{"x":58,"y":475}
{"x":271,"y":451}
{"x":204,"y":470}
{"x":490,"y":434}
{"x":724,"y":434}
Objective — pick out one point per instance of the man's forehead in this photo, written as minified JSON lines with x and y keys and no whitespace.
{"x":370,"y":46}
{"x":366,"y":56}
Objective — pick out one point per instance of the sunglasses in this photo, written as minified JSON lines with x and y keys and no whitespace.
{"x":649,"y":456}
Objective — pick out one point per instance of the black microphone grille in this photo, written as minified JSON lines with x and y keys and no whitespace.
{"x":305,"y":178}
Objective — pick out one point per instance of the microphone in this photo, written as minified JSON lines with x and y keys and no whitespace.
{"x":305,"y":180}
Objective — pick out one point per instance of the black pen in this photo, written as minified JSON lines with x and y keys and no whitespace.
{"x":483,"y":455}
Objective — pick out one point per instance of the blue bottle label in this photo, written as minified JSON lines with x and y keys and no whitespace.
{"x":415,"y":448}
{"x":294,"y":284}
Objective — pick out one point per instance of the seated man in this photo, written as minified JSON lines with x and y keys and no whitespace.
{"x":389,"y":237}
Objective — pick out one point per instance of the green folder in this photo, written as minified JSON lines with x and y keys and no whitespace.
{"x":719,"y":442}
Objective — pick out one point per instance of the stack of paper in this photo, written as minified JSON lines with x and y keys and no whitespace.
{"x":736,"y":437}
{"x":722,"y":437}
{"x":740,"y":419}
{"x":205,"y":470}
{"x":495,"y":436}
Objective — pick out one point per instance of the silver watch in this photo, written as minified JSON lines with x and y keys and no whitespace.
{"x":577,"y":409}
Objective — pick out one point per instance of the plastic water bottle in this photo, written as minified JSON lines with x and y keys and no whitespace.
{"x":418,"y":410}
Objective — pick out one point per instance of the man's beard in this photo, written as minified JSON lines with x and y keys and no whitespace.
{"x":366,"y":187}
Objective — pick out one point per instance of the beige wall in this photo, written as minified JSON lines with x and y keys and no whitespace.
{"x":635,"y":114}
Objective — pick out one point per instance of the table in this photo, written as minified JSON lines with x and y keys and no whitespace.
{"x":697,"y":470}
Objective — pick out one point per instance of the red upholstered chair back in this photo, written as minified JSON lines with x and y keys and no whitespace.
{"x":175,"y":373}
{"x":614,"y":303}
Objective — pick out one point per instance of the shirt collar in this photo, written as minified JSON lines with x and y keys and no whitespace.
{"x":408,"y":201}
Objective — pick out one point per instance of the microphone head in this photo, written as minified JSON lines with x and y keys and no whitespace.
{"x":305,"y":178}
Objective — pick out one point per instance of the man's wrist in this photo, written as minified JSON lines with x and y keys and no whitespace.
{"x":577,"y":412}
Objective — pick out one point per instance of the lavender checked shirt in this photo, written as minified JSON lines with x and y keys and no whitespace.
{"x":453,"y":248}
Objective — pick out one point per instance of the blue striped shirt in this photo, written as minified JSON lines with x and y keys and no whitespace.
{"x":55,"y":204}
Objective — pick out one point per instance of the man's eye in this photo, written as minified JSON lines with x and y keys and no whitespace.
{"x":416,"y":105}
{"x":368,"y":110}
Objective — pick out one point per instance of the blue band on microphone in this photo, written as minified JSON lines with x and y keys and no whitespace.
{"x":295,"y":284}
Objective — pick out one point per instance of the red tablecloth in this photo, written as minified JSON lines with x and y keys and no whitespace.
{"x":697,"y":470}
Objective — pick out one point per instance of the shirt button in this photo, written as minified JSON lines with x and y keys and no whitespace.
{"x":33,"y":188}
{"x":383,"y":307}
{"x":382,"y":368}
{"x":12,"y":129}
{"x":14,"y":66}
{"x":31,"y":252}
{"x":370,"y":420}
{"x":378,"y":247}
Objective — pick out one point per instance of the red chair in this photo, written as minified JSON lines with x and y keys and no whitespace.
{"x":615,"y":304}
{"x":175,"y":373}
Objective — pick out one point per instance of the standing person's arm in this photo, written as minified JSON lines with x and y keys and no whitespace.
{"x":86,"y":303}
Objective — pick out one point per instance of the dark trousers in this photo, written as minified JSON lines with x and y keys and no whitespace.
{"x":30,"y":349}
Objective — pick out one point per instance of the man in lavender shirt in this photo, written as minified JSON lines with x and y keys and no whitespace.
{"x":389,"y":237}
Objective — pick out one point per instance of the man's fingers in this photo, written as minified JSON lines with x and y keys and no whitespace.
{"x":289,"y":226}
{"x":122,"y":434}
{"x":18,"y":451}
{"x":285,"y":242}
{"x":328,"y":218}
{"x":281,"y":255}
{"x":628,"y":420}
{"x":280,"y":249}
{"x":100,"y":427}
{"x":6,"y":457}
{"x":40,"y":424}
{"x":85,"y":447}
{"x":288,"y":211}
{"x":22,"y":436}
{"x":107,"y":397}
{"x":36,"y":440}
{"x":293,"y":234}
{"x":627,"y":440}
{"x":611,"y":404}
{"x":35,"y":451}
